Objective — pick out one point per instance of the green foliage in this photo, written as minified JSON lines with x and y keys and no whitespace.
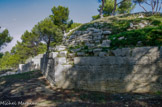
{"x":72,"y":26}
{"x":126,"y":7}
{"x":30,"y":46}
{"x":108,"y":7}
{"x":156,"y":22}
{"x":5,"y":38}
{"x":85,"y":26}
{"x":95,"y":17}
{"x":1,"y":55}
{"x":45,"y":34}
{"x":60,"y":16}
{"x":49,"y":33}
{"x":149,"y":36}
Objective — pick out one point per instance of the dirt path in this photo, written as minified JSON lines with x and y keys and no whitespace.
{"x":32,"y":90}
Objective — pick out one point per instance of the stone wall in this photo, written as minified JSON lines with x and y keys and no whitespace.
{"x":31,"y":64}
{"x":124,"y":70}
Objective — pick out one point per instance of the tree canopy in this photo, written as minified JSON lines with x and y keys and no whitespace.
{"x":112,"y":7}
{"x":4,"y":38}
{"x":48,"y":32}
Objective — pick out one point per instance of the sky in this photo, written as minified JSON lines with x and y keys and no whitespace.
{"x":20,"y":15}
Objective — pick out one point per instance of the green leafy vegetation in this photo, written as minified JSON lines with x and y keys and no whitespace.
{"x":4,"y":38}
{"x":111,"y":7}
{"x":149,"y":36}
{"x":73,"y":26}
{"x":47,"y":33}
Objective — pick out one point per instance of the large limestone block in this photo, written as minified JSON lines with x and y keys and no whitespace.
{"x":141,"y":78}
{"x":20,"y":67}
{"x":117,"y":52}
{"x":105,"y":43}
{"x":103,"y":54}
{"x":140,"y":52}
{"x":96,"y":61}
{"x":147,"y":69}
{"x":60,"y":48}
{"x":38,"y":56}
{"x":60,"y":60}
{"x":80,"y":53}
{"x":53,"y":54}
{"x":63,"y":53}
{"x":154,"y":54}
{"x":143,"y":60}
{"x":122,"y":52}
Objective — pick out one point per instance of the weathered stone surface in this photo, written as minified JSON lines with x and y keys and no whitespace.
{"x":117,"y":52}
{"x":141,"y":25}
{"x":60,"y":48}
{"x":102,"y":54}
{"x":53,"y":54}
{"x":130,"y":70}
{"x":105,"y":43}
{"x":140,"y":52}
{"x":63,"y":53}
{"x":97,"y":50}
{"x":60,"y":60}
{"x":71,"y":55}
{"x":106,"y":32}
{"x":97,"y":41}
{"x":96,"y":61}
{"x":97,"y":34}
{"x":20,"y":67}
{"x":80,"y":53}
{"x":76,"y":50}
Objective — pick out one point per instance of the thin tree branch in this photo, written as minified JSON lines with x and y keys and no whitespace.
{"x":142,"y":7}
{"x":121,"y":2}
{"x":160,"y":6}
{"x":157,"y":6}
{"x":147,"y":3}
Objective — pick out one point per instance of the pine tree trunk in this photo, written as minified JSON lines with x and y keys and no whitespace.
{"x":115,"y":4}
{"x":48,"y":45}
{"x":101,"y":10}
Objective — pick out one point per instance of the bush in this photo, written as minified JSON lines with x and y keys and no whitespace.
{"x":149,"y":36}
{"x":95,"y":17}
